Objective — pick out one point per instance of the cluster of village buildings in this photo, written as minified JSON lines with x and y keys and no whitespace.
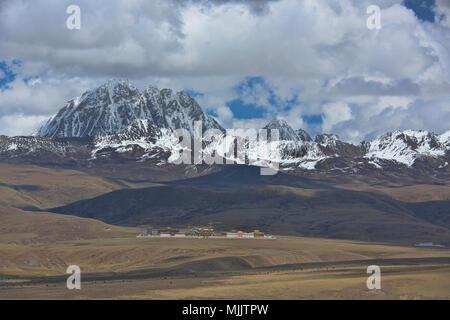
{"x":201,"y":233}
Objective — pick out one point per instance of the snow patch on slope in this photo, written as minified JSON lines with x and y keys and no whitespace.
{"x":445,"y":138}
{"x":405,"y":146}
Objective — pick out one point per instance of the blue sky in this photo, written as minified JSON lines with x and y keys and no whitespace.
{"x":245,"y":62}
{"x":247,"y":110}
{"x":423,"y":9}
{"x":7,"y":73}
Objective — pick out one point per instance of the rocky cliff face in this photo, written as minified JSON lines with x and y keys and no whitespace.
{"x":117,"y":104}
{"x":407,"y":146}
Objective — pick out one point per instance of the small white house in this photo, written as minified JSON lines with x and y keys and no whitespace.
{"x":232,"y":235}
{"x":248,"y":235}
{"x":179,"y":235}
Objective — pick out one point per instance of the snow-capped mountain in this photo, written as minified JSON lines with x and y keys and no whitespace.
{"x":445,"y":139}
{"x":116,"y":120}
{"x":115,"y":105}
{"x":175,"y":110}
{"x":107,"y":109}
{"x":285,"y":131}
{"x":142,"y":138}
{"x":303,"y":135}
{"x":407,"y":146}
{"x":43,"y":149}
{"x":19,"y":145}
{"x":326,"y":139}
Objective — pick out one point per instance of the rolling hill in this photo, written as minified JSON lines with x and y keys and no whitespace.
{"x":307,"y":209}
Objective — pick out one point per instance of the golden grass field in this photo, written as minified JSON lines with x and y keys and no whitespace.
{"x":117,"y":264}
{"x":401,"y":283}
{"x":40,"y":187}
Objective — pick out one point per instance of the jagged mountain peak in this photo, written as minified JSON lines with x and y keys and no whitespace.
{"x":414,"y":139}
{"x":277,"y":123}
{"x":151,"y":89}
{"x":286,"y":133}
{"x":120,"y":117}
{"x":106,"y":109}
{"x":445,"y":138}
{"x":303,"y":135}
{"x":406,"y":146}
{"x":117,"y":83}
{"x":115,"y":89}
{"x":176,"y":110}
{"x":116,"y":104}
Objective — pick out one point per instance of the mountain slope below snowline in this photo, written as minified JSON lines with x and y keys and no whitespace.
{"x":238,"y":176}
{"x":436,"y":212}
{"x":35,"y":188}
{"x":275,"y":209}
{"x":19,"y":227}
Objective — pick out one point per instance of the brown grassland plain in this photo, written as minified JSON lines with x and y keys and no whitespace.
{"x":116,"y":264}
{"x":24,"y":186}
{"x":37,"y":247}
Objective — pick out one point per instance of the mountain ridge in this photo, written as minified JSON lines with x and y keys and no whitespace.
{"x":117,"y":119}
{"x":115,"y":105}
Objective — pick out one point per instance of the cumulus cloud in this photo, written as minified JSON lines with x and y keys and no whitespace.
{"x":305,"y":39}
{"x":255,"y":123}
{"x":432,"y":115}
{"x":443,"y":12}
{"x":335,"y":113}
{"x":39,"y":97}
{"x":20,"y":124}
{"x":255,"y":6}
{"x":314,"y":58}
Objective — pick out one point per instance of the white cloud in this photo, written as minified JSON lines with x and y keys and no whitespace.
{"x":443,"y":12}
{"x":225,"y":115}
{"x":315,"y":57}
{"x":431,"y":114}
{"x":306,"y":39}
{"x":20,"y":124}
{"x":335,"y":113}
{"x":255,"y":123}
{"x":39,"y":96}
